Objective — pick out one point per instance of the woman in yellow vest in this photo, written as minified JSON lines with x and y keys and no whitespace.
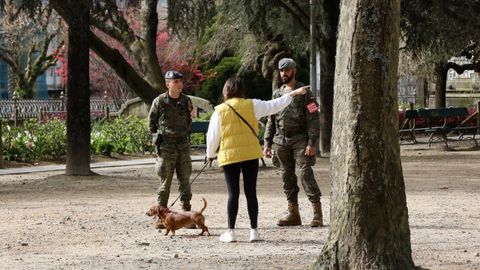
{"x":233,"y":137}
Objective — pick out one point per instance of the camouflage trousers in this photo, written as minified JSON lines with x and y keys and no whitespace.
{"x":174,"y":160}
{"x":291,"y":156}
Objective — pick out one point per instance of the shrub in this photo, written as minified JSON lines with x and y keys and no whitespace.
{"x":121,"y":136}
{"x":211,"y":88}
{"x":33,"y":141}
{"x":18,"y":144}
{"x":51,"y":138}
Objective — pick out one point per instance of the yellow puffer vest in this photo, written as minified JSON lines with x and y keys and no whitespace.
{"x":237,"y":142}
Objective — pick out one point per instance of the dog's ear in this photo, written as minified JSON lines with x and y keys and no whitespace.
{"x":153,"y":211}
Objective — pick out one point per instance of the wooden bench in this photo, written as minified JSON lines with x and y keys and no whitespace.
{"x":407,"y":128}
{"x":441,"y":122}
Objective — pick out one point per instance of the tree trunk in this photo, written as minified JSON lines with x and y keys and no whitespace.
{"x":440,"y":85}
{"x":77,"y":16}
{"x":276,"y":82}
{"x":23,"y":87}
{"x":369,"y":218}
{"x":426,"y":93}
{"x":12,"y":81}
{"x":150,"y":63}
{"x":267,"y":63}
{"x":328,"y":12}
{"x":420,"y":97}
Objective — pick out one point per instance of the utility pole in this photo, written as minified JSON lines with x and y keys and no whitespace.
{"x":314,"y":59}
{"x":313,"y":50}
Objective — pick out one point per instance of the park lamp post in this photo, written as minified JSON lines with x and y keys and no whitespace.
{"x":314,"y":58}
{"x":106,"y":108}
{"x":313,"y":49}
{"x":62,"y":101}
{"x":315,"y":72}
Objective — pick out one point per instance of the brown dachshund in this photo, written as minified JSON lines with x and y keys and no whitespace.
{"x":175,"y":220}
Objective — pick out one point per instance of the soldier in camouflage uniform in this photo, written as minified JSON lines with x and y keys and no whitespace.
{"x":295,"y":131}
{"x":169,"y":122}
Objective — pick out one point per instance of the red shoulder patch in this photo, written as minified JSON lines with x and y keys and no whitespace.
{"x":312,"y":107}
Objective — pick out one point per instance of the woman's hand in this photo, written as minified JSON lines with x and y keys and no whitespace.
{"x":208,"y":161}
{"x":267,"y":152}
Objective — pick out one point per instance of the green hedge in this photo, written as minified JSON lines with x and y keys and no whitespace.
{"x":121,"y":136}
{"x":35,"y":141}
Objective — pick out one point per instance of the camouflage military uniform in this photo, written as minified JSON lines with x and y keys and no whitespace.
{"x":291,"y":130}
{"x":171,"y":120}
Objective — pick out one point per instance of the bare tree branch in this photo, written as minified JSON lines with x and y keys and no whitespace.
{"x":124,"y":70}
{"x":298,"y":17}
{"x":105,"y":17}
{"x":149,"y":34}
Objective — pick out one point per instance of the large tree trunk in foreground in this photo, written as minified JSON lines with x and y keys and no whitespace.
{"x":77,"y":16}
{"x":369,"y":218}
{"x":1,"y":144}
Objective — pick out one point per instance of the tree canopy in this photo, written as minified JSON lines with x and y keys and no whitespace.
{"x":434,"y":31}
{"x":29,"y":43}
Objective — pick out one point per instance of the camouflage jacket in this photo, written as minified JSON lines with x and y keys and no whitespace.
{"x":295,"y":122}
{"x":171,"y":120}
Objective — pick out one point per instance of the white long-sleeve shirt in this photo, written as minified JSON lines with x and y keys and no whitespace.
{"x":261,"y":108}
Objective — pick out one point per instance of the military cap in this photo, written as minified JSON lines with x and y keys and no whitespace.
{"x":286,"y":63}
{"x":173,"y":74}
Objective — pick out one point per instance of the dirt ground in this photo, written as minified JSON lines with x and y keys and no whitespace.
{"x":50,"y":221}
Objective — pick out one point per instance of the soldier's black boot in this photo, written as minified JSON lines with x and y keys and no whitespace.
{"x":188,"y":207}
{"x":292,"y":218}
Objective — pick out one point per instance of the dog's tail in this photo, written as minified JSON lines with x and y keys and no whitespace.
{"x":204,"y":204}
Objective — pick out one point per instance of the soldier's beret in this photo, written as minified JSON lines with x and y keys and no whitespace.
{"x":173,"y":74}
{"x":286,"y":63}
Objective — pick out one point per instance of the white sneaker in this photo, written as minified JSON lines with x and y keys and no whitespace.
{"x":228,"y":236}
{"x":254,"y":236}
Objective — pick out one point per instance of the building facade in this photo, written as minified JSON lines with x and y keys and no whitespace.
{"x":3,"y":80}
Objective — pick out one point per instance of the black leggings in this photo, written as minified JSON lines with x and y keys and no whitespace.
{"x":249,"y":170}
